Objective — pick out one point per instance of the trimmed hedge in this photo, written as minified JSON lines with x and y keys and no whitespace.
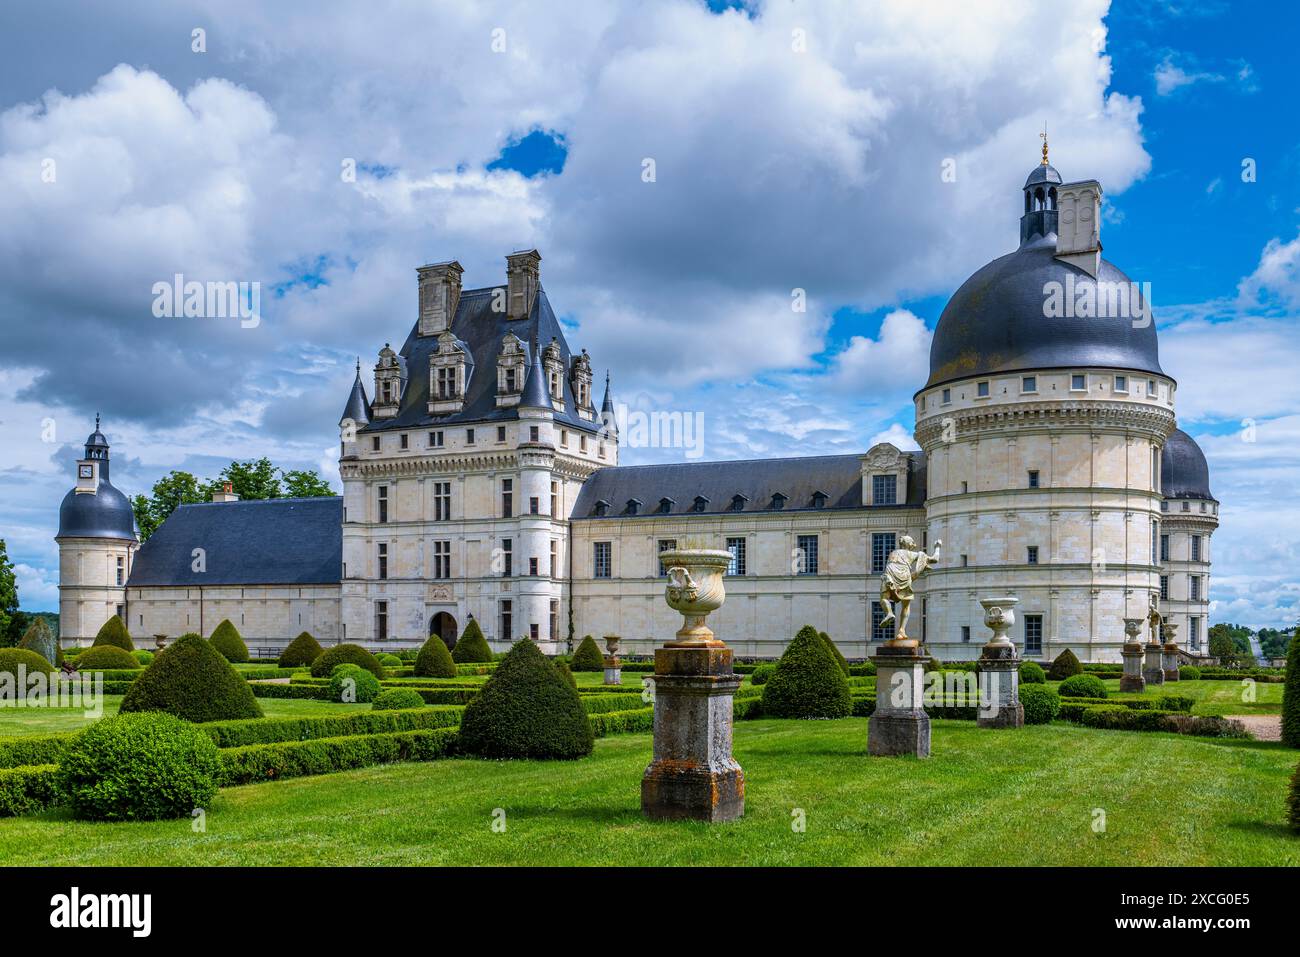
{"x":866,"y":669}
{"x":1072,"y":708}
{"x":346,"y":654}
{"x":1189,"y":673}
{"x":526,"y":710}
{"x":588,"y":656}
{"x":472,"y":646}
{"x":839,"y":658}
{"x":397,"y":699}
{"x":566,"y":673}
{"x":113,"y":632}
{"x":352,"y":684}
{"x":1291,"y":694}
{"x":808,"y":682}
{"x":107,"y":658}
{"x":291,"y":759}
{"x":192,"y":680}
{"x":26,"y":790}
{"x":389,"y":661}
{"x":1293,"y":798}
{"x":865,"y":707}
{"x":1082,"y":686}
{"x":1119,"y":718}
{"x":761,"y":675}
{"x":227,"y":640}
{"x":1065,"y":666}
{"x":33,"y":748}
{"x":434,"y":660}
{"x":303,"y":650}
{"x":1032,"y":673}
{"x":621,"y":722}
{"x":237,"y":734}
{"x":143,"y":658}
{"x":139,"y":767}
{"x":1041,"y":703}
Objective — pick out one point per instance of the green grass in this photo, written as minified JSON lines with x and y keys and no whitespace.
{"x":1212,"y":697}
{"x":1026,"y":797}
{"x":14,"y":721}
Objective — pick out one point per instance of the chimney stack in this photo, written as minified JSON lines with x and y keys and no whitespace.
{"x":227,"y":494}
{"x":439,"y":296}
{"x":523,"y":277}
{"x":1078,"y":237}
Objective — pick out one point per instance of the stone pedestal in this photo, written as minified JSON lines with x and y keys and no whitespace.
{"x":899,"y":724}
{"x":613,"y":665}
{"x":1168,"y":631}
{"x":1131,"y":679}
{"x":999,"y":684}
{"x":1153,"y":671}
{"x":693,"y":775}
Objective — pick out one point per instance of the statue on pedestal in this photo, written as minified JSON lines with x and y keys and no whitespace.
{"x":904,"y":566}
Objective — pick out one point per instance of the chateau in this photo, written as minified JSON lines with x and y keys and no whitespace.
{"x":482,"y":480}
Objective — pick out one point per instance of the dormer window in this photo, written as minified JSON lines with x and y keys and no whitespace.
{"x":818,"y":499}
{"x":633,"y":507}
{"x":580,"y":379}
{"x":388,"y":384}
{"x":700,"y":504}
{"x":601,"y":508}
{"x":666,"y":506}
{"x":738,"y":503}
{"x":553,"y":362}
{"x":511,"y":370}
{"x":778,"y":500}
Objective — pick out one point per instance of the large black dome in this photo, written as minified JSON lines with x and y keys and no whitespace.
{"x":104,"y":514}
{"x":1184,"y":473}
{"x":995,"y":322}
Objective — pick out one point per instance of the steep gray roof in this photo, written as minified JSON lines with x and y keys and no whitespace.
{"x":358,"y":407}
{"x":1184,"y":473}
{"x":481,"y":329}
{"x":536,"y":395}
{"x":838,"y":477}
{"x":279,"y":541}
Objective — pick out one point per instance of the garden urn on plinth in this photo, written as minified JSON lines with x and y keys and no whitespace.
{"x":1132,"y":652}
{"x":159,"y":642}
{"x":999,"y":668}
{"x":693,"y":775}
{"x":1170,"y":651}
{"x":613,"y":666}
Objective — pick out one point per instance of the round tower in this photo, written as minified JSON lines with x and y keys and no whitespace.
{"x":97,"y":543}
{"x":539,"y":585}
{"x":1043,"y":422}
{"x":1191,"y":515}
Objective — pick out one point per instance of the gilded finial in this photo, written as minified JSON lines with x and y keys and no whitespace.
{"x":1043,"y":137}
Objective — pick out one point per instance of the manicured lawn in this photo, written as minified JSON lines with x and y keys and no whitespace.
{"x":15,"y":721}
{"x":1026,"y":797}
{"x":1214,"y":697}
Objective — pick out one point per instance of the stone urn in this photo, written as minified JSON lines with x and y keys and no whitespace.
{"x":611,"y":645}
{"x":1169,"y":653}
{"x":999,"y":616}
{"x":1133,"y":631}
{"x":695,"y":589}
{"x":1132,"y":653}
{"x":999,"y":668}
{"x":159,"y":642}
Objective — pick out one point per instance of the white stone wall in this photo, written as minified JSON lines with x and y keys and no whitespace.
{"x":1201,"y":518}
{"x":88,"y":590}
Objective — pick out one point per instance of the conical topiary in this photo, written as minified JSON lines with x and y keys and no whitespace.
{"x":472,"y":647}
{"x":192,"y":680}
{"x":807,"y":682}
{"x":113,"y":632}
{"x":588,"y":656}
{"x":563,"y":668}
{"x":434,"y":660}
{"x":1065,"y":666}
{"x":526,"y":710}
{"x":1291,"y":695}
{"x":303,"y":650}
{"x":39,"y":638}
{"x":227,"y":640}
{"x":840,"y":659}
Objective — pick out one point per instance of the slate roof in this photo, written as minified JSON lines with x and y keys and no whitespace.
{"x":279,"y":541}
{"x":1184,"y":473}
{"x":481,"y":329}
{"x":358,"y":407}
{"x":839,"y":477}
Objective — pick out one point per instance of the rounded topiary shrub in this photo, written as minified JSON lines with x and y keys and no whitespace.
{"x":1291,"y":694}
{"x":526,"y":710}
{"x":390,"y":661}
{"x":139,"y":767}
{"x":472,"y":646}
{"x":1041,"y":703}
{"x":1065,"y":666}
{"x":807,"y":681}
{"x":1082,"y":686}
{"x":1189,"y":673}
{"x":434,"y":660}
{"x":588,"y":656}
{"x":566,"y":673}
{"x":303,"y":650}
{"x":346,"y":654}
{"x":227,"y":640}
{"x":113,"y":632}
{"x":105,"y":657}
{"x":397,"y":699}
{"x":839,"y":658}
{"x":143,"y":658}
{"x":20,"y":663}
{"x":352,"y":684}
{"x":761,"y":674}
{"x":1032,"y":673}
{"x":39,"y":638}
{"x":192,"y":680}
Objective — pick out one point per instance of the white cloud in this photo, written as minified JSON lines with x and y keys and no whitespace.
{"x":897,"y":363}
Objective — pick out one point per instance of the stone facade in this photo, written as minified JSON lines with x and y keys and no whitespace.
{"x":1186,"y":529}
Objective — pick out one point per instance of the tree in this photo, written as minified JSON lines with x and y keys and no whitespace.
{"x":251,"y":479}
{"x":807,"y":682}
{"x":174,"y":489}
{"x":8,"y":597}
{"x":299,"y":483}
{"x":1221,"y":643}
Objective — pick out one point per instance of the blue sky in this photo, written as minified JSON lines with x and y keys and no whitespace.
{"x":795,"y":145}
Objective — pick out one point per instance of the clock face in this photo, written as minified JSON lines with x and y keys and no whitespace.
{"x":86,"y":471}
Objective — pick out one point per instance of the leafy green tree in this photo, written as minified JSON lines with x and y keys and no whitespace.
{"x":8,"y":598}
{"x":299,"y":483}
{"x":250,"y":480}
{"x":1221,"y":643}
{"x":174,"y":489}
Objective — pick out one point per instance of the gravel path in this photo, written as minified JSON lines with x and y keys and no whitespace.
{"x":1263,"y":727}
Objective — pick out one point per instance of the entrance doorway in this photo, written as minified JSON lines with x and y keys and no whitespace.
{"x":444,"y":626}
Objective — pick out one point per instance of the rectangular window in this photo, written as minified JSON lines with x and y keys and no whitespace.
{"x":507,"y":557}
{"x":1164,"y":587}
{"x":564,"y":438}
{"x":442,"y":559}
{"x":507,"y":625}
{"x":884,"y":489}
{"x":121,"y":612}
{"x":533,"y":631}
{"x":965,"y":487}
{"x":1151,"y":389}
{"x":1195,"y":581}
{"x":880,"y":632}
{"x":403,"y":441}
{"x":982,"y":390}
{"x":534,"y":434}
{"x":555,"y":619}
{"x":1029,"y":383}
{"x":1078,"y":383}
{"x":1187,"y":506}
{"x":965,"y":632}
{"x":1121,"y":383}
{"x":469,"y":436}
{"x":882,"y":543}
{"x":501,"y":433}
{"x":555,"y":499}
{"x":534,"y":506}
{"x":383,"y":560}
{"x":1196,"y":549}
{"x":1194,"y":632}
{"x":737,"y":564}
{"x":436,"y":440}
{"x":374,"y":444}
{"x":1164,"y":548}
{"x":582,"y":443}
{"x":665,"y":545}
{"x":507,"y":498}
{"x":965,"y":561}
{"x":807,"y":547}
{"x":442,"y":501}
{"x":602,"y":559}
{"x":947,"y":396}
{"x":447,"y":382}
{"x":511,"y":380}
{"x":532,"y":566}
{"x":381,"y":620}
{"x":121,"y":570}
{"x":1033,"y":634}
{"x":555,"y":558}
{"x":1033,"y":478}
{"x":382,"y":492}
{"x":1031,"y":554}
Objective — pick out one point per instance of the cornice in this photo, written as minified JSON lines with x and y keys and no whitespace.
{"x":1156,"y":421}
